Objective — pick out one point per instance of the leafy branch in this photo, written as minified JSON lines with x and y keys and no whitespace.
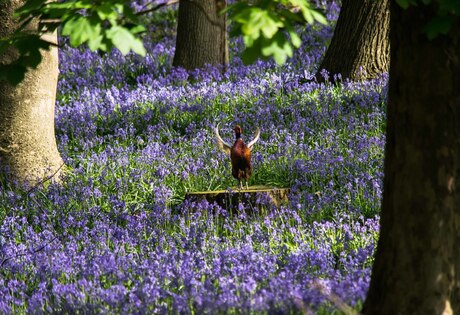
{"x":268,"y":27}
{"x":102,"y":25}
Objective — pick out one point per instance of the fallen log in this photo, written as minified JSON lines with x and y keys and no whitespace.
{"x":254,"y":196}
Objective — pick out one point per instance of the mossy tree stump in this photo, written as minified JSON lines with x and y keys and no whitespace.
{"x":253,"y":196}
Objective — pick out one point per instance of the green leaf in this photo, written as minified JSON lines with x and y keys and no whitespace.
{"x":270,"y":24}
{"x":310,"y":15}
{"x":235,"y":30}
{"x":128,"y":12}
{"x":405,"y":3}
{"x":250,"y":54}
{"x":95,"y":34}
{"x":125,"y":41}
{"x":317,"y":16}
{"x":245,"y":16}
{"x":64,"y":10}
{"x":81,"y":29}
{"x":235,"y":7}
{"x":28,"y":7}
{"x":301,"y":4}
{"x":136,"y":29}
{"x":76,"y":28}
{"x":119,"y":8}
{"x":106,"y":44}
{"x":438,"y":25}
{"x":291,"y":16}
{"x":248,"y":41}
{"x":279,"y":48}
{"x":256,"y":21}
{"x":68,"y":5}
{"x":95,"y":43}
{"x":295,"y":39}
{"x":106,"y":11}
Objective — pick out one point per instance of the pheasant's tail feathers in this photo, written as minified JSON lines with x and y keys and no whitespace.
{"x":221,"y":144}
{"x":256,"y":138}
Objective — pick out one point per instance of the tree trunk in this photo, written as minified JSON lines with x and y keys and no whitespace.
{"x":360,"y":47}
{"x":417,"y":263}
{"x":28,"y":151}
{"x":201,"y":34}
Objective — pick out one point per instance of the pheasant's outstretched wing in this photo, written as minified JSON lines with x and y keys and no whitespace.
{"x":223,"y":146}
{"x":256,"y":138}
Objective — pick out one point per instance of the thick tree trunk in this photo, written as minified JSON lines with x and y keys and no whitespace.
{"x":28,"y":150}
{"x":201,"y":34}
{"x":360,"y":47}
{"x":416,"y":268}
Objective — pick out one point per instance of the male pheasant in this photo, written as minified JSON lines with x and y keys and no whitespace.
{"x":240,"y":153}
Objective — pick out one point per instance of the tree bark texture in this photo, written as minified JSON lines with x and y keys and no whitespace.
{"x":417,"y":263}
{"x":201,"y":34}
{"x":360,"y":47}
{"x":28,"y":150}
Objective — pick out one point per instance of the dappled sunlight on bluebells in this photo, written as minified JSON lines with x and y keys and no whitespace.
{"x":136,"y":134}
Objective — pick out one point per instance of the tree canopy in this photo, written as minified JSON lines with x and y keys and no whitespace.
{"x":267,"y":27}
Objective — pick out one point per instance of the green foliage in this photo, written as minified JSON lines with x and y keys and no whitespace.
{"x":102,"y":25}
{"x":448,"y":12}
{"x":124,"y":39}
{"x":438,"y":25}
{"x":406,"y":3}
{"x":268,"y":27}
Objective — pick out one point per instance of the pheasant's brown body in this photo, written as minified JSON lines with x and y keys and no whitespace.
{"x":240,"y":154}
{"x":241,"y":160}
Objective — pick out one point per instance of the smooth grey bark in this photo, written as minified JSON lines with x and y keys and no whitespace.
{"x":360,"y":46}
{"x":417,"y":263}
{"x":201,"y":34}
{"x":28,"y":150}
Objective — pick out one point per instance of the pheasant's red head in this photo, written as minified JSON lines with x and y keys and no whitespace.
{"x":238,"y":131}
